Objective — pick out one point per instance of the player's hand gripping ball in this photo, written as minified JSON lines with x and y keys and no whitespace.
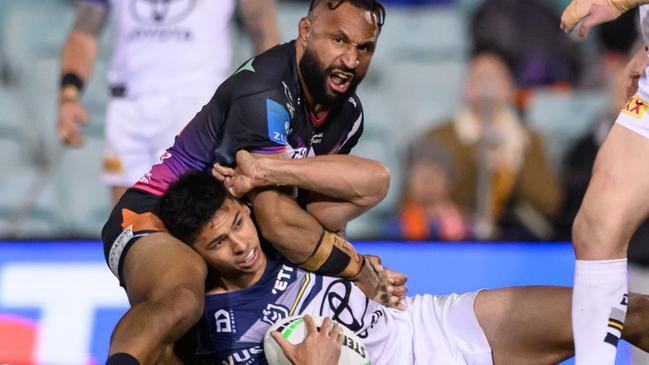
{"x":294,"y":330}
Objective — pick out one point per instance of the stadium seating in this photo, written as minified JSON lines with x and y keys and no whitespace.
{"x":563,"y":117}
{"x":415,"y":81}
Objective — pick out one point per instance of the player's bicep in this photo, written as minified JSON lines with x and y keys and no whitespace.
{"x":332,"y":213}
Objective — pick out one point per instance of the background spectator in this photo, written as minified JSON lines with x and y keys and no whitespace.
{"x":426,"y":210}
{"x":503,"y":181}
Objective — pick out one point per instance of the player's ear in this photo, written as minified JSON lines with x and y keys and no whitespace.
{"x":304,"y":28}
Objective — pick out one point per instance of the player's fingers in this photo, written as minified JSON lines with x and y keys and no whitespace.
{"x":244,"y":155}
{"x":287,"y":347}
{"x":375,"y":261}
{"x":340,"y":338}
{"x":326,"y":326}
{"x":597,"y":14}
{"x":588,"y":23}
{"x":397,"y":278}
{"x":400,"y":290}
{"x":400,"y":305}
{"x":335,"y":330}
{"x":571,"y":16}
{"x":216,"y":172}
{"x":310,"y":325}
{"x":223,"y":170}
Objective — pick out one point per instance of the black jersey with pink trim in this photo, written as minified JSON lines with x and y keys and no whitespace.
{"x":260,"y":108}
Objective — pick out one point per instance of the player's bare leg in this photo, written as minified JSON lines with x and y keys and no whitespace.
{"x":616,"y":202}
{"x":531,"y":325}
{"x":166,"y":292}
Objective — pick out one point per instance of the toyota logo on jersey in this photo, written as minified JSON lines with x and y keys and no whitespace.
{"x":161,"y":12}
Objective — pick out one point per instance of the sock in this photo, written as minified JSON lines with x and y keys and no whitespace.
{"x":599,"y":303}
{"x":122,"y":358}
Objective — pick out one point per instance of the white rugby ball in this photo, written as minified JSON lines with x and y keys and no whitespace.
{"x":294,"y":329}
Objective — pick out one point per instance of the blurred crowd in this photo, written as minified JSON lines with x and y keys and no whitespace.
{"x":469,"y":156}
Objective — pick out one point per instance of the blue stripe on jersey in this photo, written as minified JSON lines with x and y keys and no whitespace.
{"x":317,"y":286}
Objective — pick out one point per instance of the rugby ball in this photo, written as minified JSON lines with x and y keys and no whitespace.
{"x":294,"y":329}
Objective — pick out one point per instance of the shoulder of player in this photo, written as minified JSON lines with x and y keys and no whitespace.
{"x":267,"y":72}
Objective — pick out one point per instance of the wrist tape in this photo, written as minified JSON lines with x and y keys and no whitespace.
{"x":334,"y":256}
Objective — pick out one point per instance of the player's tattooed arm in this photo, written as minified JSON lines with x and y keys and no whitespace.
{"x":343,"y":187}
{"x":90,"y":18}
{"x":260,"y":18}
{"x":81,"y":45}
{"x":78,"y":57}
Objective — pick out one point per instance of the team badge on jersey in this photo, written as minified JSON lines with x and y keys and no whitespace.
{"x":274,"y":313}
{"x":279,"y":122}
{"x":635,"y":107}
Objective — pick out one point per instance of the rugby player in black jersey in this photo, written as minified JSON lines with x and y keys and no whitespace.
{"x":296,"y":100}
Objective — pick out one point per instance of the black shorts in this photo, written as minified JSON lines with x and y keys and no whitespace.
{"x":133,"y":217}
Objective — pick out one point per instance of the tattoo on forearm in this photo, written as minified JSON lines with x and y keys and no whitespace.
{"x":90,"y":18}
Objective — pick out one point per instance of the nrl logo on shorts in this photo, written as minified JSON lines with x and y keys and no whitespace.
{"x":161,"y":12}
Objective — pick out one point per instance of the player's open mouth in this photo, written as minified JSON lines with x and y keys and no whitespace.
{"x":250,"y":259}
{"x":339,"y":81}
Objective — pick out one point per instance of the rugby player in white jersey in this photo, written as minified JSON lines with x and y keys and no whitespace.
{"x":168,"y":57}
{"x":251,"y":287}
{"x":615,"y":202}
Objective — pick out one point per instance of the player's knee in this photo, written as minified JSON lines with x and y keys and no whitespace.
{"x":598,"y":234}
{"x":383,"y":178}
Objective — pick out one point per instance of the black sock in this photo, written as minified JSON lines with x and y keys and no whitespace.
{"x":122,"y":358}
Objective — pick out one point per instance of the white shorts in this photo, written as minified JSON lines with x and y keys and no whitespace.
{"x":634,"y":116}
{"x":140,"y":129}
{"x":446,"y":330}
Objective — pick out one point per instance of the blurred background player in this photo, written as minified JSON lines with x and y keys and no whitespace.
{"x":168,"y":57}
{"x":614,"y":205}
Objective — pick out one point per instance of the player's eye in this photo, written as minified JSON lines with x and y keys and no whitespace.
{"x":238,"y":223}
{"x":339,"y":40}
{"x":216,"y":243}
{"x":365,"y":48}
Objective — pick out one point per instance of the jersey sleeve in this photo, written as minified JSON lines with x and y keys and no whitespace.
{"x":259,"y":123}
{"x":354,"y":134}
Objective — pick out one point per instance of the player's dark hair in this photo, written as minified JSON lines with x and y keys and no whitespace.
{"x":372,"y":5}
{"x":190,"y":203}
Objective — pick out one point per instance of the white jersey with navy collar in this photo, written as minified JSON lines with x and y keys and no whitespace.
{"x":163,"y":46}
